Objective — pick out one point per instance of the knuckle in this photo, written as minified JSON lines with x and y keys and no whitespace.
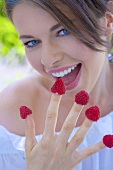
{"x":45,"y":143}
{"x":87,"y":124}
{"x":51,"y":115}
{"x":57,"y":151}
{"x":101,"y":146}
{"x":27,"y":128}
{"x":90,"y":152}
{"x":78,"y":139}
{"x":27,"y":144}
{"x":68,"y":127}
{"x":30,"y":142}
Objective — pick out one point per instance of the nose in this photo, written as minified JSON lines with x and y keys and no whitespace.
{"x":51,"y":54}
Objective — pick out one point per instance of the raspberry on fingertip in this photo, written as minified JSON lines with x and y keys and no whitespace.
{"x":58,"y":87}
{"x":25,"y":111}
{"x":82,"y":97}
{"x":108,"y":141}
{"x":93,"y":113}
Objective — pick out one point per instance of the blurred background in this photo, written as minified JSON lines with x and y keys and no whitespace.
{"x":13,"y":64}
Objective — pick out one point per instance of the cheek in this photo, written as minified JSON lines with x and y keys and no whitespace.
{"x":75,"y":49}
{"x":88,"y":57}
{"x":34,"y":60}
{"x":92,"y":68}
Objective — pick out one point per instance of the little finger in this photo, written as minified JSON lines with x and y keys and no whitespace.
{"x":83,"y":154}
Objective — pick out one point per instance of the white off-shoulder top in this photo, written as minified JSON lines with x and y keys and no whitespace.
{"x":12,"y":153}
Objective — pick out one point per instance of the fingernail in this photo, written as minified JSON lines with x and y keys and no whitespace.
{"x":25,"y":111}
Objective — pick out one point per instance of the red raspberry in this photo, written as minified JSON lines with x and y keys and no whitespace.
{"x":93,"y":113}
{"x":58,"y":87}
{"x":82,"y":98}
{"x":24,"y":111}
{"x":108,"y":140}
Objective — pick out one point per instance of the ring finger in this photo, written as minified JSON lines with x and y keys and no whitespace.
{"x":70,"y":123}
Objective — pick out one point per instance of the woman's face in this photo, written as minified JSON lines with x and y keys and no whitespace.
{"x":54,"y":52}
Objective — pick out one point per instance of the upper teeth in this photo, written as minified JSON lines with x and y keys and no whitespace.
{"x":63,"y":73}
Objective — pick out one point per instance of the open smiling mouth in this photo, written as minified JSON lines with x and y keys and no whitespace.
{"x":70,"y":76}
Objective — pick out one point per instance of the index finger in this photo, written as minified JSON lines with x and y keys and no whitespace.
{"x":52,"y":114}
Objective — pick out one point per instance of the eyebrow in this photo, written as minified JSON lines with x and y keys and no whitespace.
{"x":51,"y":29}
{"x":55,"y":27}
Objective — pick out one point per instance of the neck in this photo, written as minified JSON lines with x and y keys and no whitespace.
{"x":103,"y":90}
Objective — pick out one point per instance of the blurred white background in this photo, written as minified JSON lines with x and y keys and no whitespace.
{"x":12,"y":72}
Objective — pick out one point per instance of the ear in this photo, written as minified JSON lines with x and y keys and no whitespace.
{"x":109,"y":19}
{"x":110,"y":6}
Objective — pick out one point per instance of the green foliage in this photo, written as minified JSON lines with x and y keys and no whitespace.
{"x":10,"y":45}
{"x":2,"y":12}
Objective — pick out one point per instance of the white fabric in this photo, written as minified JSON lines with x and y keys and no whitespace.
{"x":12,"y":154}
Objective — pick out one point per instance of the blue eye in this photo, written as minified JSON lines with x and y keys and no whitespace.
{"x":31,"y":44}
{"x":63,"y":32}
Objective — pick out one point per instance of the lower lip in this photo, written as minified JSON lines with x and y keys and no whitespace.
{"x":75,"y":82}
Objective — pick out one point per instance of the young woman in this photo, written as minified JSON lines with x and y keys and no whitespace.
{"x":72,"y":40}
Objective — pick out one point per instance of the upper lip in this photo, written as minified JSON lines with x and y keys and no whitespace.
{"x":61,"y":69}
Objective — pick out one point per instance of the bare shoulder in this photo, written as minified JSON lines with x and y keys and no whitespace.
{"x":28,"y":92}
{"x":24,"y":89}
{"x":18,"y":91}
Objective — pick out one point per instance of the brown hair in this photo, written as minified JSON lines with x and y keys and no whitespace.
{"x":79,"y":17}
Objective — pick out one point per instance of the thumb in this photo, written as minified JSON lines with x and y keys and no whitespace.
{"x":30,"y":134}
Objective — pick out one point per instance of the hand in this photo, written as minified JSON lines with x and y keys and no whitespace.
{"x":54,"y":152}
